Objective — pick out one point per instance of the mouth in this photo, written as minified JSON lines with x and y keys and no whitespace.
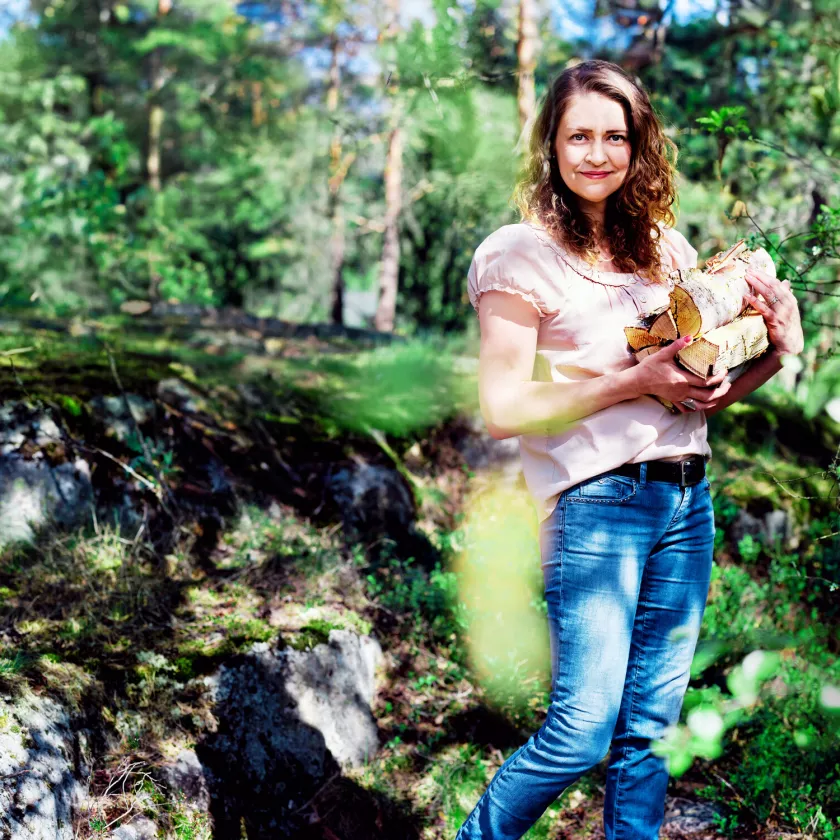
{"x":595,"y":174}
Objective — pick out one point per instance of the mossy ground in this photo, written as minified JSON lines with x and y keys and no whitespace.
{"x":124,"y":633}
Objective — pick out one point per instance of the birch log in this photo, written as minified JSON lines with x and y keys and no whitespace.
{"x":665,"y":326}
{"x":720,"y":349}
{"x":702,"y":301}
{"x":726,"y":347}
{"x":639,"y":338}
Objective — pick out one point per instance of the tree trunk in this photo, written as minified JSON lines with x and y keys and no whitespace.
{"x":156,"y":119}
{"x":526,"y":47}
{"x":156,"y":112}
{"x":334,"y":209}
{"x":390,"y":265}
{"x":257,"y":104}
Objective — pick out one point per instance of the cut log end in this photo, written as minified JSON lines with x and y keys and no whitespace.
{"x":638,"y":338}
{"x":665,"y":327}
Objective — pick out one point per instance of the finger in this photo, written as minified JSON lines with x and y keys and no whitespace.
{"x":719,"y":392}
{"x":762,"y":276}
{"x":768,"y":312}
{"x":705,"y":394}
{"x":711,"y":396}
{"x":692,"y":379}
{"x":766,"y":282}
{"x":791,"y":296}
{"x":675,"y":346}
{"x":699,"y":395}
{"x":717,"y":378}
{"x":757,"y":287}
{"x":759,"y":279}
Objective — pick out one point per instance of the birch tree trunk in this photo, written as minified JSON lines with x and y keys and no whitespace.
{"x":390,"y":264}
{"x":526,"y":49}
{"x":155,"y":130}
{"x":156,"y":112}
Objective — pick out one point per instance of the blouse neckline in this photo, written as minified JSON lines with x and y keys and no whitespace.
{"x":604,"y":278}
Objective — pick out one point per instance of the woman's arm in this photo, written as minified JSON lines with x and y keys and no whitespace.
{"x":763,"y":368}
{"x":512,"y":404}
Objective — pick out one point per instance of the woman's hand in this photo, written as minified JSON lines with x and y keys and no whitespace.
{"x":659,"y":374}
{"x":784,"y":328}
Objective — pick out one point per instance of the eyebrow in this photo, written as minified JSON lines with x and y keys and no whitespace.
{"x":608,"y":131}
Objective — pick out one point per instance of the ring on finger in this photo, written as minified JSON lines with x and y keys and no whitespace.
{"x":689,"y":403}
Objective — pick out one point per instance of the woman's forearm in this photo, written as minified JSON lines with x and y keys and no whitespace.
{"x":549,"y":408}
{"x":763,"y":368}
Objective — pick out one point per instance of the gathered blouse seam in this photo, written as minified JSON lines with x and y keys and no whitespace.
{"x":631,"y":279}
{"x":513,"y":290}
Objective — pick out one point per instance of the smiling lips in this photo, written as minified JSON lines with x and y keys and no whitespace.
{"x":595,"y":174}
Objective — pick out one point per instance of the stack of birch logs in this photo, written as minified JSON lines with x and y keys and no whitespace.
{"x":709,"y":304}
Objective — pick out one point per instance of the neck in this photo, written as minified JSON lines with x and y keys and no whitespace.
{"x":597,"y":215}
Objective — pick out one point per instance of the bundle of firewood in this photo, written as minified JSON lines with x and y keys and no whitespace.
{"x":709,"y":304}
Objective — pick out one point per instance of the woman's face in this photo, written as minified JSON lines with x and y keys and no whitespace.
{"x":592,"y":137}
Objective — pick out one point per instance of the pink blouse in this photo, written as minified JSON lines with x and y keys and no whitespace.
{"x":583,"y":313}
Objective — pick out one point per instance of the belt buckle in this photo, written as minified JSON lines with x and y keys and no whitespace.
{"x":690,"y":462}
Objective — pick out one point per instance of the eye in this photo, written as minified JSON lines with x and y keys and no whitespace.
{"x":620,"y":136}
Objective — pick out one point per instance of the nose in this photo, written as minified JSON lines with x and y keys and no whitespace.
{"x":596,"y":156}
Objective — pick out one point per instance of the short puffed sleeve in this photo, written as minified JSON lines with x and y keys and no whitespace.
{"x":512,"y":259}
{"x":677,"y":248}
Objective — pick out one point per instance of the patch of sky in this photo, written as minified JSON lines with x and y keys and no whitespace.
{"x":12,"y":11}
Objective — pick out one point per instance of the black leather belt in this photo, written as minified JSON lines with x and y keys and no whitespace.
{"x":685,"y":473}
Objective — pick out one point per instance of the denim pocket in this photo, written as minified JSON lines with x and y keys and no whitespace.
{"x":608,"y":489}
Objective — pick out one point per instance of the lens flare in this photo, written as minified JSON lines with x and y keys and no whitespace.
{"x":501,"y":589}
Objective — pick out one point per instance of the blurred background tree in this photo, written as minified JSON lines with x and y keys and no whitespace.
{"x":330,"y":160}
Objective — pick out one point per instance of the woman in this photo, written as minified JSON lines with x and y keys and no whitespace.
{"x":626,"y":519}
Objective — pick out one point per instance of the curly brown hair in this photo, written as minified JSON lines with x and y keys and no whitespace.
{"x":635,"y":209}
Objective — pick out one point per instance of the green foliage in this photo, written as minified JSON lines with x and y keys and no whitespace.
{"x":427,"y":599}
{"x":397,"y":390}
{"x":749,"y":548}
{"x":315,"y":632}
{"x":728,"y":120}
{"x":13,"y":666}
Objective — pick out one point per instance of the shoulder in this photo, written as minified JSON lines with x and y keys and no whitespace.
{"x":520,"y":236}
{"x":512,"y":259}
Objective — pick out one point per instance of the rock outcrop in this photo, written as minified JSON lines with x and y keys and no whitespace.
{"x":288,"y":721}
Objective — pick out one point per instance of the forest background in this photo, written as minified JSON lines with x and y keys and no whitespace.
{"x":338,"y":163}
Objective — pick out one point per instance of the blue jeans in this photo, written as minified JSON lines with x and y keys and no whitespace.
{"x":626,"y":564}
